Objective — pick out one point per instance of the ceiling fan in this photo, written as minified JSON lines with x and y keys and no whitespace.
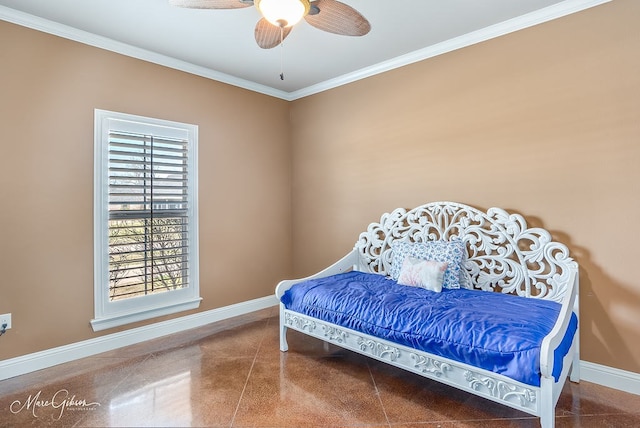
{"x":279,"y":16}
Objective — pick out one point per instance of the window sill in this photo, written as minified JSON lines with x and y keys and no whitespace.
{"x":116,"y":320}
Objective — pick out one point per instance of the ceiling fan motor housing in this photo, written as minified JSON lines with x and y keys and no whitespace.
{"x":283,"y":13}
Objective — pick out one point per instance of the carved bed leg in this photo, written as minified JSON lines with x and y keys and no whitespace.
{"x":574,"y":375}
{"x":284,"y":347}
{"x":547,"y":405}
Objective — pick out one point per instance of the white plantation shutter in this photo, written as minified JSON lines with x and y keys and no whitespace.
{"x":148,"y":214}
{"x":147,"y":250}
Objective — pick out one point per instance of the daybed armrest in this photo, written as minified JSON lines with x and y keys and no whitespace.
{"x":551,"y":342}
{"x":345,"y":264}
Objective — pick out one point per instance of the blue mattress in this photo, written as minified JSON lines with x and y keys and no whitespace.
{"x":498,"y":332}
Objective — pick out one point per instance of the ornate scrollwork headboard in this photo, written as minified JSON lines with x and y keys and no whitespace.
{"x":503,"y":253}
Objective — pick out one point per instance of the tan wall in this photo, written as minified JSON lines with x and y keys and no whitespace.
{"x":49,"y":88}
{"x":545,"y":122}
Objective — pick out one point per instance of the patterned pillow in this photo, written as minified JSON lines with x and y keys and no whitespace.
{"x":425,"y":274}
{"x":451,"y":252}
{"x":465,"y":276}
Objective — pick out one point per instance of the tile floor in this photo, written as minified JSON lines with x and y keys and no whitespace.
{"x":231,"y":374}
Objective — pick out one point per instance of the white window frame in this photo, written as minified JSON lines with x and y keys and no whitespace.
{"x":108,"y":314}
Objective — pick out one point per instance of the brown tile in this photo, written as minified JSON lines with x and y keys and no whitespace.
{"x":486,"y":423}
{"x":586,"y":398}
{"x":408,"y":397}
{"x":294,"y":391}
{"x":57,"y":404}
{"x":599,"y":421}
{"x":63,"y":373}
{"x":90,"y":379}
{"x":176,"y":388}
{"x":239,"y":341}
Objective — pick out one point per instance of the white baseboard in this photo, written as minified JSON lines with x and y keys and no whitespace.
{"x":610,"y":377}
{"x":63,"y":354}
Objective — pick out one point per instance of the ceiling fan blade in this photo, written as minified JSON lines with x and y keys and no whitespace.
{"x":268,"y":35}
{"x":338,"y":18}
{"x":212,"y":4}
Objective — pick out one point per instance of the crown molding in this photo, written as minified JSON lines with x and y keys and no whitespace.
{"x":549,"y":13}
{"x":81,"y":36}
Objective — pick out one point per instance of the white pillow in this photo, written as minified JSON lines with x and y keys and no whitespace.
{"x":427,"y":274}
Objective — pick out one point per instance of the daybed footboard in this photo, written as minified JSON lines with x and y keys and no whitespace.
{"x":550,"y":390}
{"x":553,"y":340}
{"x":502,"y":255}
{"x":345,"y":264}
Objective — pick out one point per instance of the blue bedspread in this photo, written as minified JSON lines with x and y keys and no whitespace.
{"x":498,"y":332}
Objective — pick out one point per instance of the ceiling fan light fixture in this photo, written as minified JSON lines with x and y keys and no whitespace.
{"x":283,"y":13}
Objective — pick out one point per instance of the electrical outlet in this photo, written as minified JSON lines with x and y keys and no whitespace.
{"x":5,"y":319}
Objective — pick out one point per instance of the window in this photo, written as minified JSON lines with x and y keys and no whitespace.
{"x":145,"y":214}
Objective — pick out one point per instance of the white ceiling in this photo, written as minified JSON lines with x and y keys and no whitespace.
{"x":219,"y":44}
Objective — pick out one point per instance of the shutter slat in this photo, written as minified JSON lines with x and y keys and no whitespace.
{"x":139,"y":279}
{"x":144,"y":163}
{"x":142,"y":283}
{"x":141,"y":266}
{"x":144,"y":251}
{"x":142,"y":186}
{"x":136,"y":147}
{"x":142,"y":214}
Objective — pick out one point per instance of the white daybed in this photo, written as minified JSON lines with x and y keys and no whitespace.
{"x":503,"y":255}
